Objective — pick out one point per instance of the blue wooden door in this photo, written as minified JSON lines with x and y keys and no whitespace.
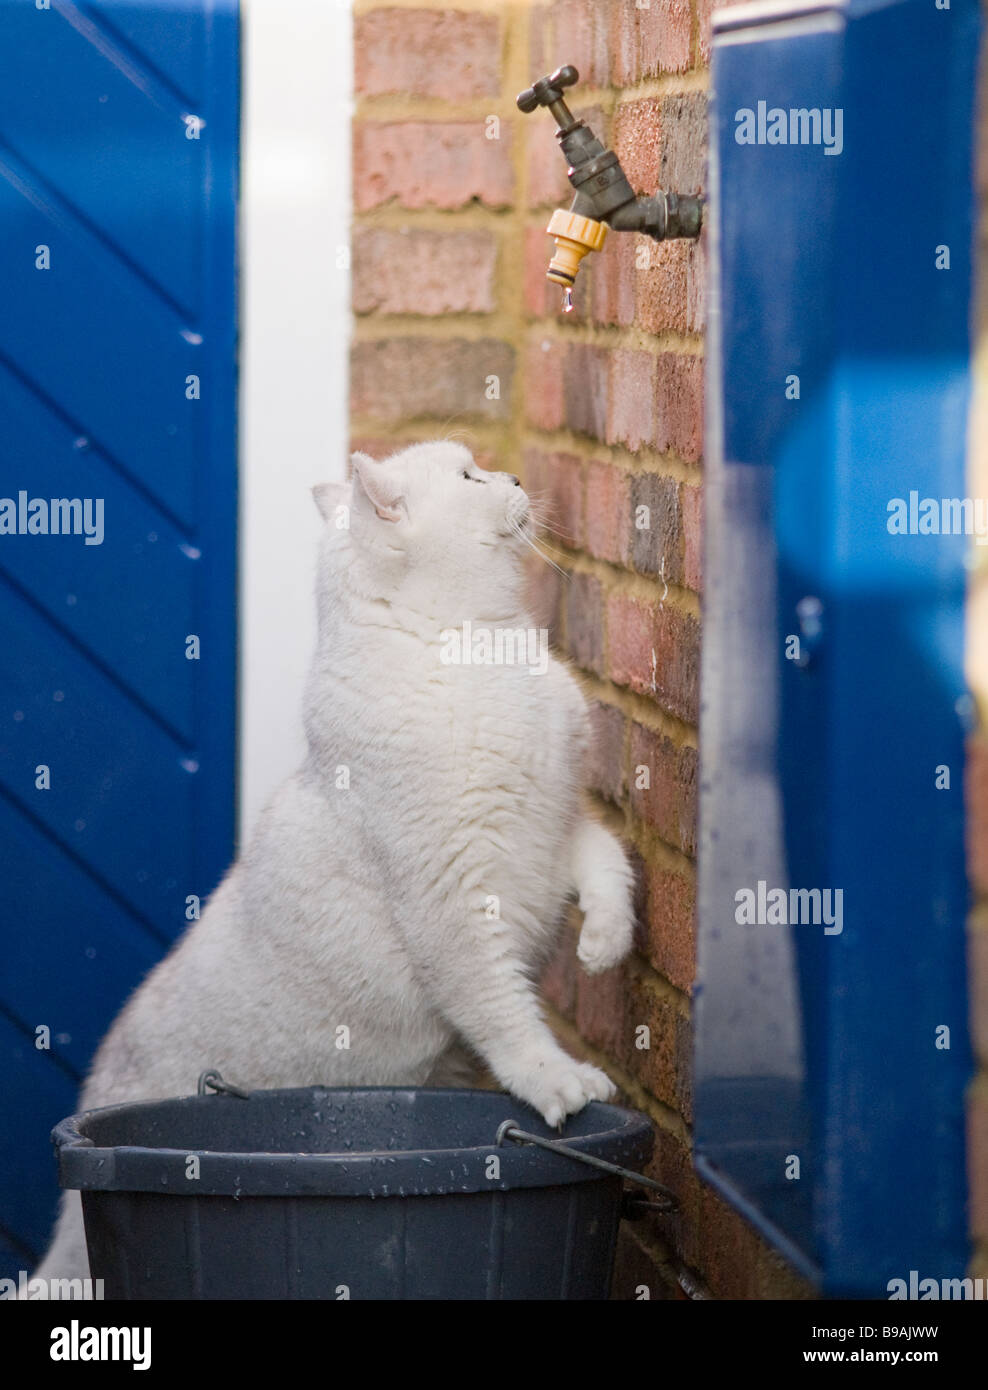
{"x":119,"y":138}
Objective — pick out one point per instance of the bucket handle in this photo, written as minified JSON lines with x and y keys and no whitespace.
{"x":212,"y":1079}
{"x":670,"y":1202}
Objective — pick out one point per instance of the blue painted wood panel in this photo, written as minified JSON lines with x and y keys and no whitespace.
{"x":821,"y":773}
{"x":119,"y":149}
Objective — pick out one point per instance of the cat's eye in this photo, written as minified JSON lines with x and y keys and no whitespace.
{"x":470,"y":477}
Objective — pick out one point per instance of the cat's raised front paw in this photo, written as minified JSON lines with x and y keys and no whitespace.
{"x":605,"y":940}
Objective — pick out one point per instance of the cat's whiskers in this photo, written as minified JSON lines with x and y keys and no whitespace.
{"x":451,"y":435}
{"x":542,"y":510}
{"x":522,"y":534}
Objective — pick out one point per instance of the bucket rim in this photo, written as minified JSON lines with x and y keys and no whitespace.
{"x":624,"y":1136}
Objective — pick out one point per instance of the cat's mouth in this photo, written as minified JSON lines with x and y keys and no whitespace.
{"x":519,"y":514}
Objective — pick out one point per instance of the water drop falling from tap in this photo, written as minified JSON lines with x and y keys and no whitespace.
{"x":568,"y":300}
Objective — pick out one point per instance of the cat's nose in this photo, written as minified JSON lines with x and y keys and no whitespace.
{"x":513,"y":479}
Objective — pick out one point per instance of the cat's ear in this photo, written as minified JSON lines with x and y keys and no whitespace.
{"x":327,"y":497}
{"x":382,"y":490}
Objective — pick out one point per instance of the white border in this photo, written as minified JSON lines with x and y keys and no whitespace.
{"x":297,"y":104}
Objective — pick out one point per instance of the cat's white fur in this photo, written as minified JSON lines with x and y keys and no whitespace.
{"x":409,"y":882}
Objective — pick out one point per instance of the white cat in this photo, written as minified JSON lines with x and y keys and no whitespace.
{"x":409,"y":882}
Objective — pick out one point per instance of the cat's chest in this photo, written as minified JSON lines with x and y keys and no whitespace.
{"x":509,"y":730}
{"x":448,"y":729}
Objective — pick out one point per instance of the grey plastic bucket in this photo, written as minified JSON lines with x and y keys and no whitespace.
{"x":377,"y":1193}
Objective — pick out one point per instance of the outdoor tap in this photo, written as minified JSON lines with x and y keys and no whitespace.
{"x":604,"y":197}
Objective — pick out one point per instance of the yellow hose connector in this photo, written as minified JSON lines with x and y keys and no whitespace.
{"x":575,"y":236}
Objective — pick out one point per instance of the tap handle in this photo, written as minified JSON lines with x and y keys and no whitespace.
{"x":548,"y":91}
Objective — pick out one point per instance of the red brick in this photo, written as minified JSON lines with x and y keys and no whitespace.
{"x":657,"y":547}
{"x":406,"y":378}
{"x":533,"y":292}
{"x":977,"y":1152}
{"x":668,"y":286}
{"x":639,"y":901}
{"x":538,"y":40}
{"x":608,"y":509}
{"x":544,"y":388}
{"x":684,"y":143}
{"x":736,"y":1262}
{"x":415,"y":271}
{"x":976,"y":803}
{"x":612,"y":277}
{"x":679,"y":405}
{"x":978,"y":985}
{"x":396,"y":51}
{"x":672,"y":1165}
{"x":632,"y":390}
{"x":555,"y":484}
{"x":683,"y":1073}
{"x":704,"y":11}
{"x":612,"y":1007}
{"x":546,"y":179}
{"x":638,"y":142}
{"x":585,"y":376}
{"x":559,"y":979}
{"x":696,"y":282}
{"x":660,"y":286}
{"x":544,"y":594}
{"x":443,"y":164}
{"x":584,"y":622}
{"x":646,"y":41}
{"x":580,"y":37}
{"x":691,"y":509}
{"x":605,"y":765}
{"x":655,"y":649}
{"x":670,"y":924}
{"x":728,"y":1248}
{"x":669,"y":802}
{"x":536,"y":259}
{"x":604,"y":1010}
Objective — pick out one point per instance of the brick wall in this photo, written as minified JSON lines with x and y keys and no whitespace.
{"x":601,"y":413}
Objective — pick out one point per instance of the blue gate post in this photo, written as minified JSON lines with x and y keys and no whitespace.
{"x":829,"y":1096}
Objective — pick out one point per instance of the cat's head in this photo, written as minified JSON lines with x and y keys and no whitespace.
{"x":430,"y":528}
